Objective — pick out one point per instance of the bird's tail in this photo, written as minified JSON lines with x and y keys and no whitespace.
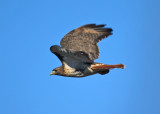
{"x":104,"y":68}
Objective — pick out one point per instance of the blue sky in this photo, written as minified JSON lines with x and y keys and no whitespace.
{"x":29,"y":27}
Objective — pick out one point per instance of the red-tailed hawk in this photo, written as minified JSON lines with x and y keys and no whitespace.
{"x":79,"y":50}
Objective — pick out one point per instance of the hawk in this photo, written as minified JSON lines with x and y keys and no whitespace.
{"x":78,"y":51}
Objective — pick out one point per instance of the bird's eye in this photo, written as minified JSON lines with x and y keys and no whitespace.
{"x":55,"y":70}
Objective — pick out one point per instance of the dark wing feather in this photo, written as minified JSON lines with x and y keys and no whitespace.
{"x":85,"y":39}
{"x":68,"y":55}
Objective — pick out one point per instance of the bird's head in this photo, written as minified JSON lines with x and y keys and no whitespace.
{"x":56,"y":71}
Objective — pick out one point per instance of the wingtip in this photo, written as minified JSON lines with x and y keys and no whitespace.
{"x":93,"y":25}
{"x":54,"y":48}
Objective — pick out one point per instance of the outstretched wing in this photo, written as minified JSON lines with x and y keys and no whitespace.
{"x":85,"y":39}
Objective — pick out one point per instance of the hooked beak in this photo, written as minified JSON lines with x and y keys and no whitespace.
{"x":52,"y":73}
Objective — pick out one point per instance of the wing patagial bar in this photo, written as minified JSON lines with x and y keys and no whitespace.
{"x":64,"y":54}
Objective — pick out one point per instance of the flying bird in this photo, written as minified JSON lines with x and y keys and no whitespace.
{"x":78,"y":51}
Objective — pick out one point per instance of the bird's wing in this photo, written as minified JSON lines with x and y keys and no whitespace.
{"x":71,"y":58}
{"x":85,"y":39}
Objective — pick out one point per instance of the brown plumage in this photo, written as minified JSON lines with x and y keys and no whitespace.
{"x":87,"y":37}
{"x":79,"y":50}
